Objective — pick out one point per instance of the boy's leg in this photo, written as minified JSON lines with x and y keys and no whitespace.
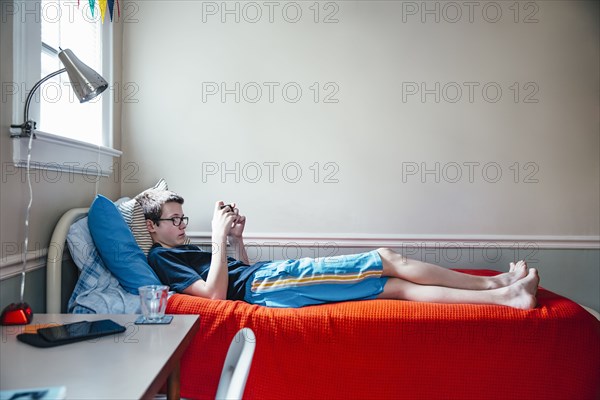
{"x":520,"y":295}
{"x":422,"y":273}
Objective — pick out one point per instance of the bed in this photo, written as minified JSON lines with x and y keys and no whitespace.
{"x":378,"y":349}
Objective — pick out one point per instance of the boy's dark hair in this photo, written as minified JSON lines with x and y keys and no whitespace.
{"x":152,"y":202}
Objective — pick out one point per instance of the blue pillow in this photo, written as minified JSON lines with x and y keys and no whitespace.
{"x":117,"y":246}
{"x":97,"y":291}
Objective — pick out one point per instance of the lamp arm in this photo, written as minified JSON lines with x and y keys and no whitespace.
{"x":28,"y":126}
{"x":36,"y":87}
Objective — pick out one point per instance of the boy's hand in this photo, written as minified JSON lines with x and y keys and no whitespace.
{"x":237,"y":229}
{"x":239,"y":222}
{"x":236,"y":232}
{"x":222,"y":222}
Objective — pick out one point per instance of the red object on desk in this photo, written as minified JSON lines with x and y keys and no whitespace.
{"x":16,"y":314}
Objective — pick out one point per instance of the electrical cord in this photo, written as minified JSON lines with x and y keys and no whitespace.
{"x":26,"y":239}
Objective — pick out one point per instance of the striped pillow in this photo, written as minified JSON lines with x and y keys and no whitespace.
{"x":139,"y":230}
{"x":134,"y":217}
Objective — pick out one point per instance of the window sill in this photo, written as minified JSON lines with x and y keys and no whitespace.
{"x":58,"y":153}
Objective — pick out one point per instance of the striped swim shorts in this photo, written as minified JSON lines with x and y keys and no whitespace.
{"x":311,"y":281}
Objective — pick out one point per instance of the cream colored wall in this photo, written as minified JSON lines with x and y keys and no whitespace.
{"x":540,"y":135}
{"x":53,"y":193}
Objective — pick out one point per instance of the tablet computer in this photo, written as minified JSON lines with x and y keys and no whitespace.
{"x":80,"y":330}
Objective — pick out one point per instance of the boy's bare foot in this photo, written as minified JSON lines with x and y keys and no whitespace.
{"x":522,"y":294}
{"x":515,"y":273}
{"x":520,"y":265}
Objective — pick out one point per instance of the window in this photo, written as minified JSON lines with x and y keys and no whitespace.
{"x":66,"y":25}
{"x":70,"y":136}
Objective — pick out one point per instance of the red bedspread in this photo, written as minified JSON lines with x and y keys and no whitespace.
{"x":382,"y":349}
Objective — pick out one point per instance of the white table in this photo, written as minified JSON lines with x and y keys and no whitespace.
{"x":130,"y":365}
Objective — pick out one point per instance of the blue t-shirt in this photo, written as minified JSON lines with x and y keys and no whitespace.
{"x":183,"y":265}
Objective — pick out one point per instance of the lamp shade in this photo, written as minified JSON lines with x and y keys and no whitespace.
{"x":86,"y":82}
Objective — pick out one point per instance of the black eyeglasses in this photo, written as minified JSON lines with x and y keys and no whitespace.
{"x":176,"y":220}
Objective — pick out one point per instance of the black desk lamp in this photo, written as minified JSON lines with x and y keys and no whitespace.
{"x":87,"y":84}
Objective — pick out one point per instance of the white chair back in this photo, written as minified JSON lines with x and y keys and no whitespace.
{"x":237,"y":365}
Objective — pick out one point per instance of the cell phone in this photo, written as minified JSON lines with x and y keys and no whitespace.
{"x":80,"y":330}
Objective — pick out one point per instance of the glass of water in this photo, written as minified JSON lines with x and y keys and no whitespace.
{"x":154,"y":301}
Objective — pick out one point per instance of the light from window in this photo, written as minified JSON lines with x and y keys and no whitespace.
{"x":67,"y":25}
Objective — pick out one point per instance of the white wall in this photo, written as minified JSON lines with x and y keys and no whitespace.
{"x":543,"y":139}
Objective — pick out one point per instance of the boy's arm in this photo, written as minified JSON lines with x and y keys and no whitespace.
{"x":215,"y":286}
{"x":236,"y":238}
{"x":239,"y":249}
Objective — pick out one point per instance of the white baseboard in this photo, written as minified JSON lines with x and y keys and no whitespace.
{"x":410,"y":241}
{"x":13,"y":265}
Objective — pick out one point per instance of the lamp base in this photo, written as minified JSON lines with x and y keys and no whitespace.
{"x":16,"y":314}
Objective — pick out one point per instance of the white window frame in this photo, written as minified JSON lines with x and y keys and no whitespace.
{"x":51,"y":151}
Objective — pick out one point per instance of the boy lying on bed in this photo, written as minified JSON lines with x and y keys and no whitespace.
{"x":381,"y":273}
